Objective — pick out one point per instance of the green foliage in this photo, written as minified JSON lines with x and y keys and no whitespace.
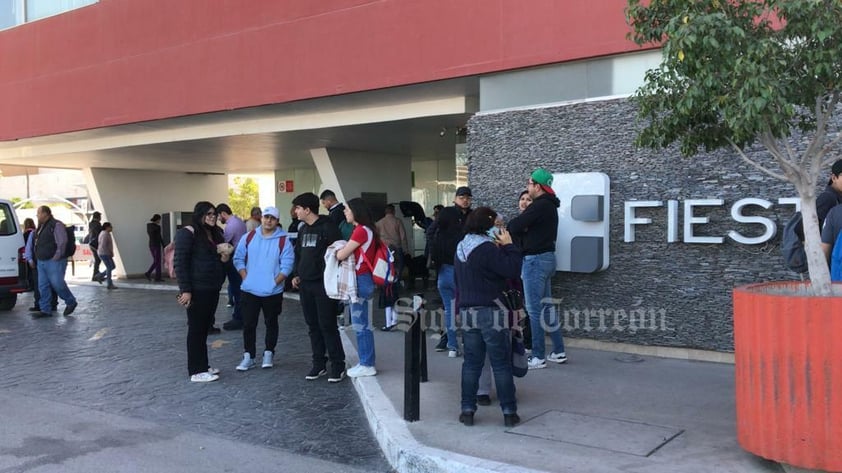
{"x":243,"y":196}
{"x":26,"y":205}
{"x":736,"y":70}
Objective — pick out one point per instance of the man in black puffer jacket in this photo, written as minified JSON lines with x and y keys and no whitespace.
{"x":314,"y":236}
{"x":537,"y":227}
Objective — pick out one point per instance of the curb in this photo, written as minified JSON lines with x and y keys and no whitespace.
{"x":399,"y":446}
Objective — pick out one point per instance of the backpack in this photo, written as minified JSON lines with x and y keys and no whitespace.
{"x":346,"y":229}
{"x":795,"y":257}
{"x":383,"y":270}
{"x":836,"y":260}
{"x":169,"y":255}
{"x":70,"y":246}
{"x":250,"y":235}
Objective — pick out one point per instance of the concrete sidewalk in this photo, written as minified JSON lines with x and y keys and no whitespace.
{"x":601,"y":412}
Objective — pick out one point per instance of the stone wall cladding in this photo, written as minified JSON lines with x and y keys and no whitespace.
{"x":687,"y":287}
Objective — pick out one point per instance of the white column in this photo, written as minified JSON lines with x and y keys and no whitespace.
{"x":129,"y":198}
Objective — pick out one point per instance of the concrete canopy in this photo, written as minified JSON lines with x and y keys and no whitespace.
{"x":133,"y":171}
{"x":418,"y":120}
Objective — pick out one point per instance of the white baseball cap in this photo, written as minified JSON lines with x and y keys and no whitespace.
{"x":273,"y":211}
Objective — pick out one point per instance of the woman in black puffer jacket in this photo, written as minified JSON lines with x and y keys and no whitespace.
{"x":200,"y":253}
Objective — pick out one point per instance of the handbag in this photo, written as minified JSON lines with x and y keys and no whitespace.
{"x":513,"y":300}
{"x":520,"y":363}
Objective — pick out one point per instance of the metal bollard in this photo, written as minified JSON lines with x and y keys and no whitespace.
{"x":415,"y":363}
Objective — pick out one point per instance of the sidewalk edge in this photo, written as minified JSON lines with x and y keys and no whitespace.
{"x":399,"y":446}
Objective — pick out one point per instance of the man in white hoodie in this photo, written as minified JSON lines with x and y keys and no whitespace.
{"x":264,"y":258}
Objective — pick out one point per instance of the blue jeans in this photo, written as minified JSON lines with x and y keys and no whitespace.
{"x":51,"y":278}
{"x":360,"y":321}
{"x":109,"y":267}
{"x":447,"y":290}
{"x":486,"y":332}
{"x":537,"y":274}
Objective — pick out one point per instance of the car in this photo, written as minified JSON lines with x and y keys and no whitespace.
{"x":14,"y":271}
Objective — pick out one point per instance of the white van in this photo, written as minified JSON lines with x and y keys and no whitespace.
{"x":13,"y":269}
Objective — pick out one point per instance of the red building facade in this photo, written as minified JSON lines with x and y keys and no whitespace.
{"x":126,"y":61}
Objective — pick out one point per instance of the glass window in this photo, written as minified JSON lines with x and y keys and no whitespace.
{"x":9,"y":13}
{"x":36,"y":9}
{"x":7,"y":220}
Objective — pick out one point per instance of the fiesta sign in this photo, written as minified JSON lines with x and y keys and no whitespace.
{"x":582,"y":244}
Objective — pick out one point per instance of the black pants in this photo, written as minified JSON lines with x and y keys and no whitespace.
{"x":320,"y":315}
{"x":199,"y":319}
{"x":250,"y":308}
{"x":97,"y":260}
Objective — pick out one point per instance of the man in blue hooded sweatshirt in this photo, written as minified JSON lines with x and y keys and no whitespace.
{"x":264,"y":258}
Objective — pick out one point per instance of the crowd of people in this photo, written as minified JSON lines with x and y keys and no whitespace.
{"x":476,"y":255}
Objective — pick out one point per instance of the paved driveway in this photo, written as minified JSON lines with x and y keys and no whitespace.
{"x":123,"y":353}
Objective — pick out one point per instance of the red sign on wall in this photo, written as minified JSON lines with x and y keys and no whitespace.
{"x":286,"y":186}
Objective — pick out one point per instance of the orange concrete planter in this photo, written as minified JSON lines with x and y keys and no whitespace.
{"x":788,"y":357}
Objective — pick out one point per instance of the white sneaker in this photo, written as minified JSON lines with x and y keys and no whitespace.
{"x":557,"y":357}
{"x":267,"y":359}
{"x":213,"y":370}
{"x":361,"y":370}
{"x":453,"y":353}
{"x":204,"y":377}
{"x":536,"y":363}
{"x":246,"y":364}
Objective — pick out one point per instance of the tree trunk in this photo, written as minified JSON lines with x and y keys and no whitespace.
{"x":816,"y":261}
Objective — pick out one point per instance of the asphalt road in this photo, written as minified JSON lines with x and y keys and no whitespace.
{"x":107,"y":390}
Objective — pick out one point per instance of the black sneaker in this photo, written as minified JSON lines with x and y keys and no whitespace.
{"x":214,"y":330}
{"x":233,"y":324}
{"x":315,"y":373}
{"x":35,"y":308}
{"x":68,"y":309}
{"x":41,"y":315}
{"x":483,"y":399}
{"x":511,"y":420}
{"x":442,"y":345}
{"x":337,"y":374}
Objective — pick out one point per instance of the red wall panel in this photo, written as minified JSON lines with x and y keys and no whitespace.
{"x":125,"y":61}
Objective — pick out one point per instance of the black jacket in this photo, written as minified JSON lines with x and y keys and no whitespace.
{"x":826,"y":201}
{"x":154,"y":232}
{"x":197,"y":264}
{"x":537,"y":226}
{"x":45,"y":241}
{"x":482,"y":276}
{"x":310,"y":248}
{"x":337,"y":214}
{"x":445,"y":233}
{"x":94,"y":228}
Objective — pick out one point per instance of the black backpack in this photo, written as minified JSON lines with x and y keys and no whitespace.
{"x":795,"y":257}
{"x":70,"y":246}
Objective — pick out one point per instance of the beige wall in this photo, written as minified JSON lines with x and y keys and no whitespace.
{"x":303,"y":180}
{"x":128,"y":199}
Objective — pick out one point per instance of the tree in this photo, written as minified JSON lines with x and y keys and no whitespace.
{"x":736,"y":73}
{"x":243,"y":196}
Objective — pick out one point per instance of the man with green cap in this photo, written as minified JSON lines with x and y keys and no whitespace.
{"x":537,"y":227}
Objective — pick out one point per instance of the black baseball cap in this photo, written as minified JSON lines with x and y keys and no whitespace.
{"x":464,"y":190}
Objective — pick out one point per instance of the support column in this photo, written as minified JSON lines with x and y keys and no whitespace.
{"x":129,"y":198}
{"x":348,"y":173}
